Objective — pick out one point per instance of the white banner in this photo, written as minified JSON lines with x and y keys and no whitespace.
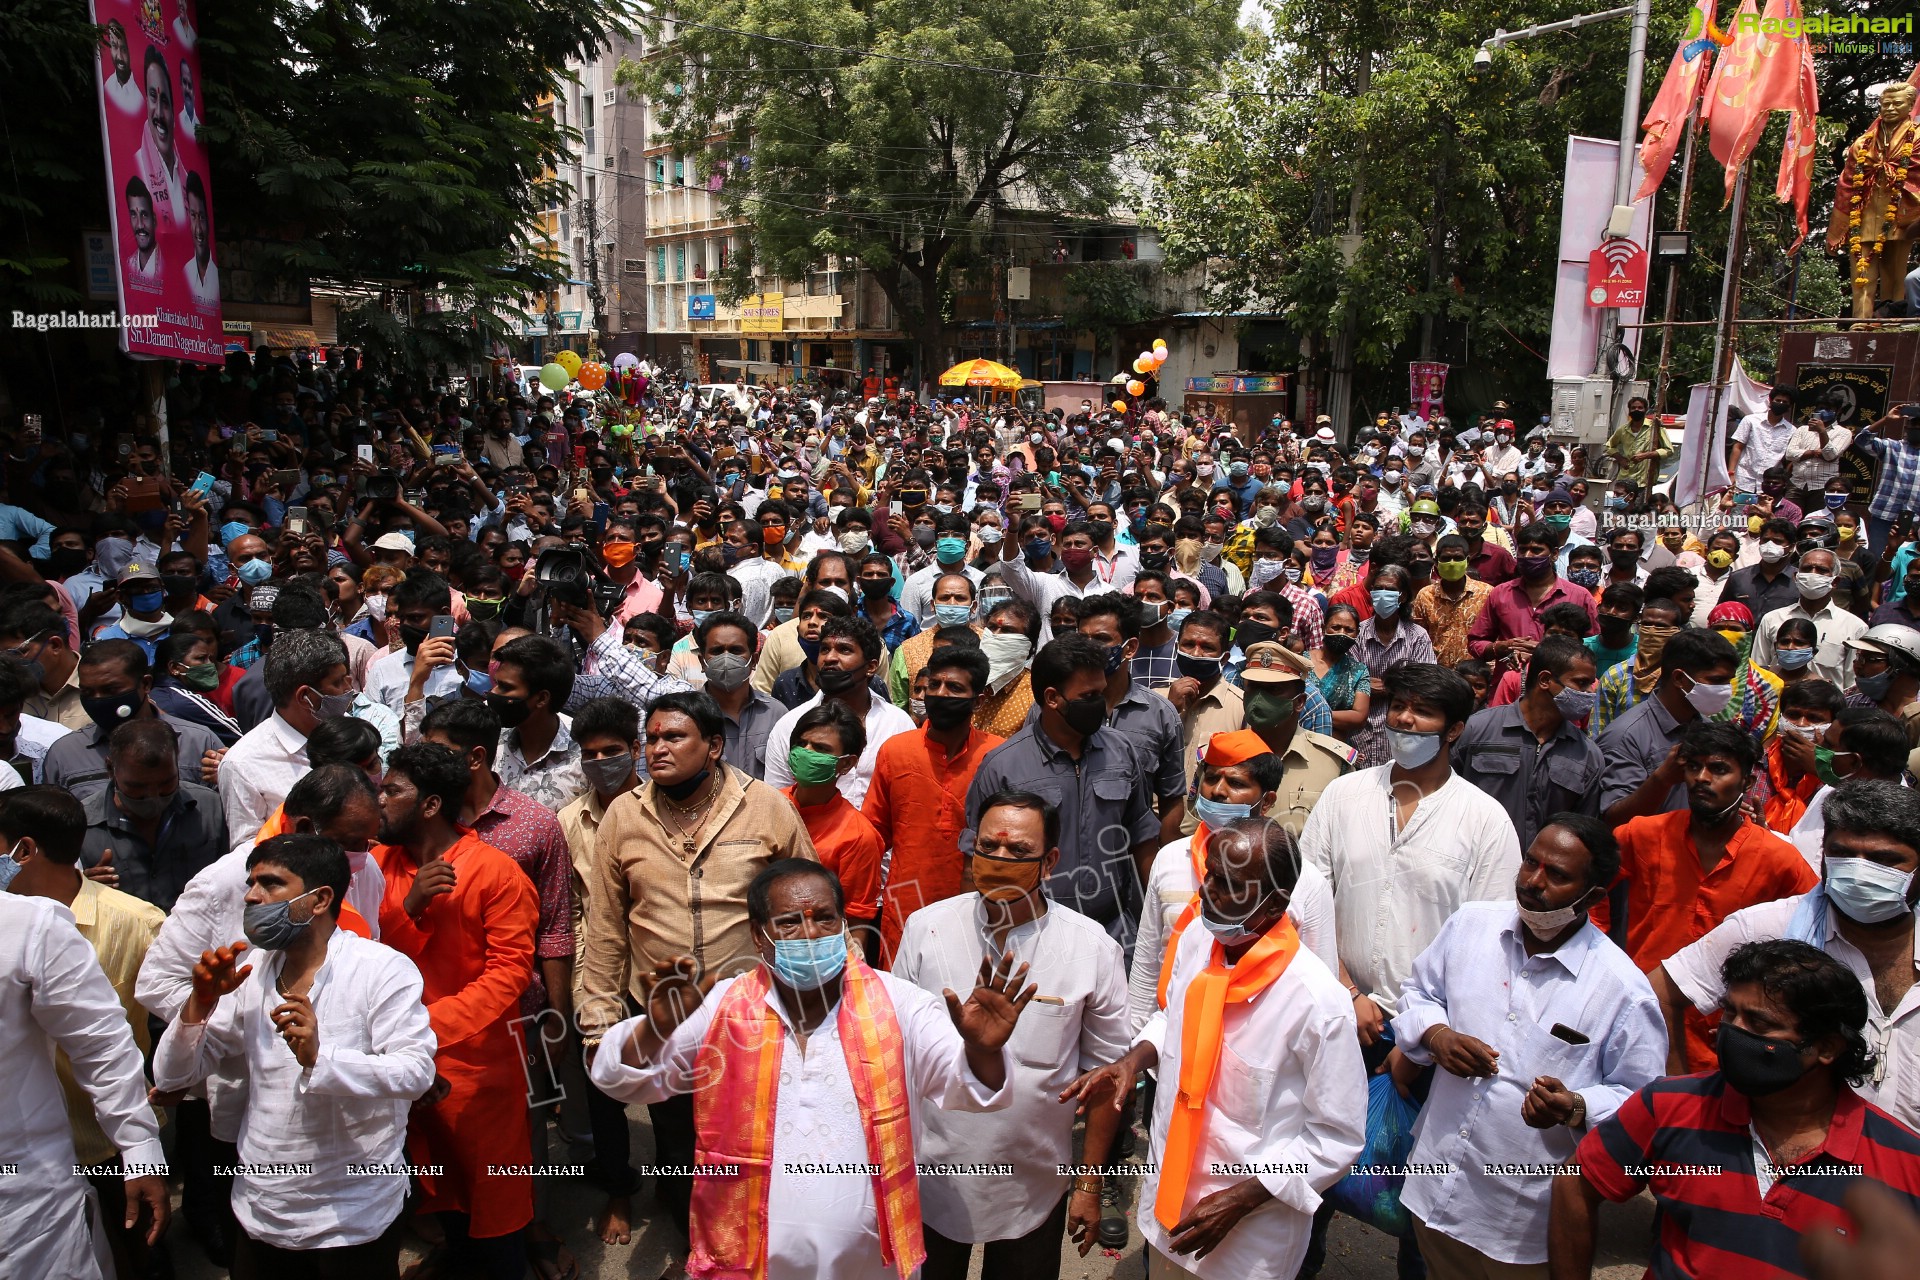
{"x":1586,"y":202}
{"x":1703,"y":449}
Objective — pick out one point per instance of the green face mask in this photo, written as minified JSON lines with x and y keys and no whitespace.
{"x":1450,"y":570}
{"x":1823,"y":765}
{"x":1559,"y":522}
{"x":204,"y":677}
{"x":811,"y":768}
{"x":1267,"y":710}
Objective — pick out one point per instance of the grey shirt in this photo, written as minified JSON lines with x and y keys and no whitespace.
{"x":1634,"y":745}
{"x":1151,"y":727}
{"x":746,"y":748}
{"x":192,"y":835}
{"x":1532,"y":780}
{"x":1104,"y":813}
{"x":78,"y":761}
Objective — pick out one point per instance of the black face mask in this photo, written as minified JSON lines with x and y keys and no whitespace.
{"x":945,"y":712}
{"x":513,"y":712}
{"x":681,"y":790}
{"x":1757,"y":1065}
{"x":1337,"y":646}
{"x":1085,"y":715}
{"x":836,"y":680}
{"x":114,"y":710}
{"x":412,"y":637}
{"x":1248,"y":634}
{"x":178,"y":585}
{"x":875,"y":588}
{"x":1196,"y":668}
{"x":1624,"y":559}
{"x":64,"y":562}
{"x":1153,"y":559}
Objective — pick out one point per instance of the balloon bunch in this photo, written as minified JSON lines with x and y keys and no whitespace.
{"x":1146,"y":364}
{"x":567,"y":366}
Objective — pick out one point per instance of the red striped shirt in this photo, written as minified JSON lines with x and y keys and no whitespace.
{"x":1687,"y":1139}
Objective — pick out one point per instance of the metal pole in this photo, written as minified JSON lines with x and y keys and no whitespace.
{"x":1679,"y":224}
{"x":1624,"y":166}
{"x":1724,"y":331}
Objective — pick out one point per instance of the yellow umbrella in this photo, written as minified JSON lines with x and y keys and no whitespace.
{"x":980,"y":373}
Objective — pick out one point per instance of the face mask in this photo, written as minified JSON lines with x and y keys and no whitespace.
{"x":1038,"y":551}
{"x":834,"y":680}
{"x":811,"y":768}
{"x":1324,"y":558}
{"x":1412,"y":750}
{"x":1559,"y":521}
{"x":1846,"y":532}
{"x":699,"y":616}
{"x":1056,"y":522}
{"x":9,"y":868}
{"x":1195,"y":667}
{"x":1267,"y":710}
{"x":145,"y":808}
{"x":253,"y":572}
{"x":950,"y":550}
{"x":1177,"y":619}
{"x":1005,"y":879}
{"x":1575,"y":704}
{"x":1337,"y":646}
{"x":1535,"y":567}
{"x":1708,"y":699}
{"x":271,"y":926}
{"x":1875,"y":687}
{"x":1616,"y":503}
{"x":411,"y":637}
{"x":1230,"y":933}
{"x":953,"y":615}
{"x":946,"y":712}
{"x":146,"y":602}
{"x":1100,"y":529}
{"x":1005,"y":654}
{"x":329,"y":706}
{"x":1804,"y":732}
{"x":1865,"y":891}
{"x":1386,"y":604}
{"x":1835,"y":501}
{"x":1424,"y":528}
{"x":1813,"y":586}
{"x":233,"y":529}
{"x":1757,"y":1065}
{"x":110,"y":712}
{"x":1217,"y":814}
{"x":203,"y":676}
{"x":513,"y":712}
{"x":876,"y":588}
{"x":1823,"y":765}
{"x":809,"y":649}
{"x":609,"y":773}
{"x":1772,"y":552}
{"x":1153,"y":560}
{"x":990,"y":535}
{"x":1085,"y":715}
{"x":1588,"y":578}
{"x":64,"y":562}
{"x":1793,"y":659}
{"x":808,"y":964}
{"x":782,"y":614}
{"x":1719,"y":559}
{"x":924,"y":536}
{"x":1547,"y":924}
{"x":1116,"y":657}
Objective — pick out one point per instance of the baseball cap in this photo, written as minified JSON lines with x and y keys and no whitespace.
{"x":136,"y":571}
{"x":393,"y":542}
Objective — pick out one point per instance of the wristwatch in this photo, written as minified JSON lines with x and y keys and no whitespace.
{"x":1579,"y":1117}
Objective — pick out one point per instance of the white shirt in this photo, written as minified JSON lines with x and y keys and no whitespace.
{"x":883,"y":721}
{"x":756,"y":577}
{"x":209,"y":913}
{"x":349,"y":1109}
{"x":53,"y":994}
{"x":204,"y":287}
{"x":1076,"y":1022}
{"x":916,"y":595}
{"x":1042,"y":589}
{"x":1478,"y":979}
{"x":1894,"y":1084}
{"x":1392,"y":890}
{"x":1766,"y":445}
{"x":817,"y":1224}
{"x":1832,"y":659}
{"x":1289,"y":1090}
{"x":36,"y":736}
{"x":257,"y":773}
{"x":388,"y":678}
{"x":1501,"y":459}
{"x":1814,"y":463}
{"x":1171,"y":886}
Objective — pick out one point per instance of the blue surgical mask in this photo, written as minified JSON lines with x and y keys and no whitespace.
{"x":1865,"y":891}
{"x":1230,"y":933}
{"x":1176,"y":618}
{"x":700,"y":615}
{"x":146,"y":601}
{"x":1793,"y":659}
{"x":1038,"y":550}
{"x":254,"y":572}
{"x":479,"y":683}
{"x":1386,"y":604}
{"x":233,"y":529}
{"x":953,"y":615}
{"x":1412,"y":750}
{"x":807,"y":964}
{"x":950,"y":549}
{"x":782,"y":614}
{"x":1217,"y":814}
{"x":8,"y":867}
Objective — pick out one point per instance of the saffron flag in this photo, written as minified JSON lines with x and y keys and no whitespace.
{"x":1757,"y":75}
{"x":1666,"y":121}
{"x":1795,"y":184}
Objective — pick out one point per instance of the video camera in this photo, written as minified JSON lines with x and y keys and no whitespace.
{"x":571,"y":577}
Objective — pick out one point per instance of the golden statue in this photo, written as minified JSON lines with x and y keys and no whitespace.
{"x":1877,"y":203}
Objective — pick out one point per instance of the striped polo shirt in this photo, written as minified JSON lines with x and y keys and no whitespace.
{"x":1689,"y":1140}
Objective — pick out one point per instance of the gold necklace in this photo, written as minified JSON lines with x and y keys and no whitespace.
{"x":686,"y":830}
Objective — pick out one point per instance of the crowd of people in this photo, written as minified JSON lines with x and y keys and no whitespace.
{"x":400,"y":779}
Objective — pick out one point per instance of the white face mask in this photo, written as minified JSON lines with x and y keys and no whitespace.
{"x":1708,"y":699}
{"x":1804,"y":732}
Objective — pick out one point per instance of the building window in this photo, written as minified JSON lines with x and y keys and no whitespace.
{"x":680,"y":262}
{"x":660,"y":262}
{"x":659,"y":171}
{"x":679,"y":172}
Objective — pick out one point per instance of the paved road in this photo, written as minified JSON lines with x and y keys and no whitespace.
{"x":1354,"y":1251}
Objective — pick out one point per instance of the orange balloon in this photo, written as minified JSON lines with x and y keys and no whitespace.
{"x":593,"y":376}
{"x":1142,"y":364}
{"x":1119,"y":406}
{"x":1136,"y":388}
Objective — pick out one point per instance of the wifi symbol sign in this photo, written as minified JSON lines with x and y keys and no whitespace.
{"x":1617,"y":275}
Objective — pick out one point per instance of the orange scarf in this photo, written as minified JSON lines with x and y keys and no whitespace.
{"x":733,"y":1116}
{"x":1202,"y":1020}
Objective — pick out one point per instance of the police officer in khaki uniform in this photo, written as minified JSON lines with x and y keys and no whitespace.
{"x":1274,"y":685}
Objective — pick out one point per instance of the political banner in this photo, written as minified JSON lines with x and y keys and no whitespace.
{"x":157,"y":183}
{"x":1427,"y":388}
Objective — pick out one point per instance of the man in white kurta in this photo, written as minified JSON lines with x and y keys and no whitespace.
{"x":53,"y":994}
{"x":822,"y":1216}
{"x":1076,"y":1022}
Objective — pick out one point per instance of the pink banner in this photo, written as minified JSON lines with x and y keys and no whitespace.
{"x":1427,"y":388}
{"x":157,"y":183}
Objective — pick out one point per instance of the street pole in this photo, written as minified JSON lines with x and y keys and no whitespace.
{"x":1340,"y":385}
{"x":1723,"y":331}
{"x":1680,"y":224}
{"x":1623,"y":170}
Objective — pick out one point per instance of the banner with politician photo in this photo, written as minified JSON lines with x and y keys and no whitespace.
{"x":157,"y":181}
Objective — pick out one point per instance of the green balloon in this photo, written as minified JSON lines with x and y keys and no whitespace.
{"x":554,"y":376}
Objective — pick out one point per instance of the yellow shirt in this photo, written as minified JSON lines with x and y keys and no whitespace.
{"x":120,"y":928}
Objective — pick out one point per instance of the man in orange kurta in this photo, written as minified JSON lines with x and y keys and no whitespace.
{"x":917,"y":800}
{"x":1689,"y":870}
{"x":464,"y":913}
